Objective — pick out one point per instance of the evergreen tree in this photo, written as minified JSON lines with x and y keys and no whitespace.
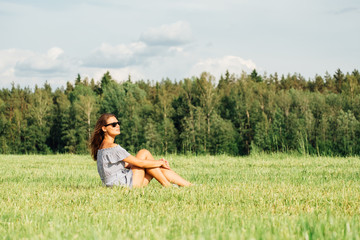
{"x":347,"y":126}
{"x":255,"y":77}
{"x":339,"y":79}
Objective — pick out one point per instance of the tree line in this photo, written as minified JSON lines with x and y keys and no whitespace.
{"x":235,"y":115}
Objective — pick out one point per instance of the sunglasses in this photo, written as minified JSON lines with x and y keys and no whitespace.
{"x":113,"y":124}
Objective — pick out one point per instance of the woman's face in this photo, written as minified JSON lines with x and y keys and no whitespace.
{"x":112,"y":129}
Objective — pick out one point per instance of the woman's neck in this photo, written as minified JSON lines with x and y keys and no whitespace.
{"x":108,"y":140}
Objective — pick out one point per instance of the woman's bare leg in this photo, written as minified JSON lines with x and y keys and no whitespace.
{"x":147,"y":179}
{"x":153,"y":172}
{"x":170,"y":175}
{"x":173,"y":177}
{"x":158,"y":175}
{"x":138,"y":176}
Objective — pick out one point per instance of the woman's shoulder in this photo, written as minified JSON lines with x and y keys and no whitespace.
{"x":111,"y":152}
{"x":109,"y":147}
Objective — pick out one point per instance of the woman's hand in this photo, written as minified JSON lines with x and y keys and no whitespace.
{"x":165,"y":164}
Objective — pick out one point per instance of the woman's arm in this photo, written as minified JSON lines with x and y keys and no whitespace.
{"x":146,"y":163}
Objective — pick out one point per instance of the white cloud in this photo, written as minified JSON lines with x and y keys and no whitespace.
{"x":218,"y":66}
{"x":125,"y":55}
{"x":121,"y":55}
{"x":178,"y":33}
{"x":176,"y":50}
{"x":51,"y":64}
{"x":165,"y":40}
{"x":54,"y":53}
{"x":9,"y":58}
{"x":159,"y":53}
{"x":28,"y":68}
{"x":137,"y":59}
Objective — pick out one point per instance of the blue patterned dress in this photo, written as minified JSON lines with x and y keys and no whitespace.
{"x":111,"y":167}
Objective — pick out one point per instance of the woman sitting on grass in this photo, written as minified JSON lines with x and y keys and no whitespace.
{"x":117,"y":167}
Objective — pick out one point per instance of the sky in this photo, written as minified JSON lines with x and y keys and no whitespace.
{"x":54,"y":41}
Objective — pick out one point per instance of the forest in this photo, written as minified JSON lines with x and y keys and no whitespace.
{"x":234,"y":115}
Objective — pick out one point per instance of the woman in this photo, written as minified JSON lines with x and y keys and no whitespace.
{"x":117,"y":167}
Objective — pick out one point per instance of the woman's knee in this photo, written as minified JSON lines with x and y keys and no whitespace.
{"x":143,"y":154}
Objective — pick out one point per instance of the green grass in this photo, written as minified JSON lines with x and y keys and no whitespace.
{"x":263,"y":197}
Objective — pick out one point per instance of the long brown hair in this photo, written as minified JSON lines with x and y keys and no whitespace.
{"x":98,"y":134}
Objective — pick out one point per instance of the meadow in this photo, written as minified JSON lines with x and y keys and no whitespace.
{"x":277,"y":196}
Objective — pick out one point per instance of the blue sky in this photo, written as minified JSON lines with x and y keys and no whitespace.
{"x":55,"y":40}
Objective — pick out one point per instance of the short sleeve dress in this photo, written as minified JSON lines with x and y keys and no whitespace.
{"x":111,"y":167}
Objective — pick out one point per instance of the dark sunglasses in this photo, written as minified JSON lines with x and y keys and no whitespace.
{"x":113,"y":124}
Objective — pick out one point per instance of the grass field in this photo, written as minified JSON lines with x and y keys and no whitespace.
{"x":262,"y":197}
